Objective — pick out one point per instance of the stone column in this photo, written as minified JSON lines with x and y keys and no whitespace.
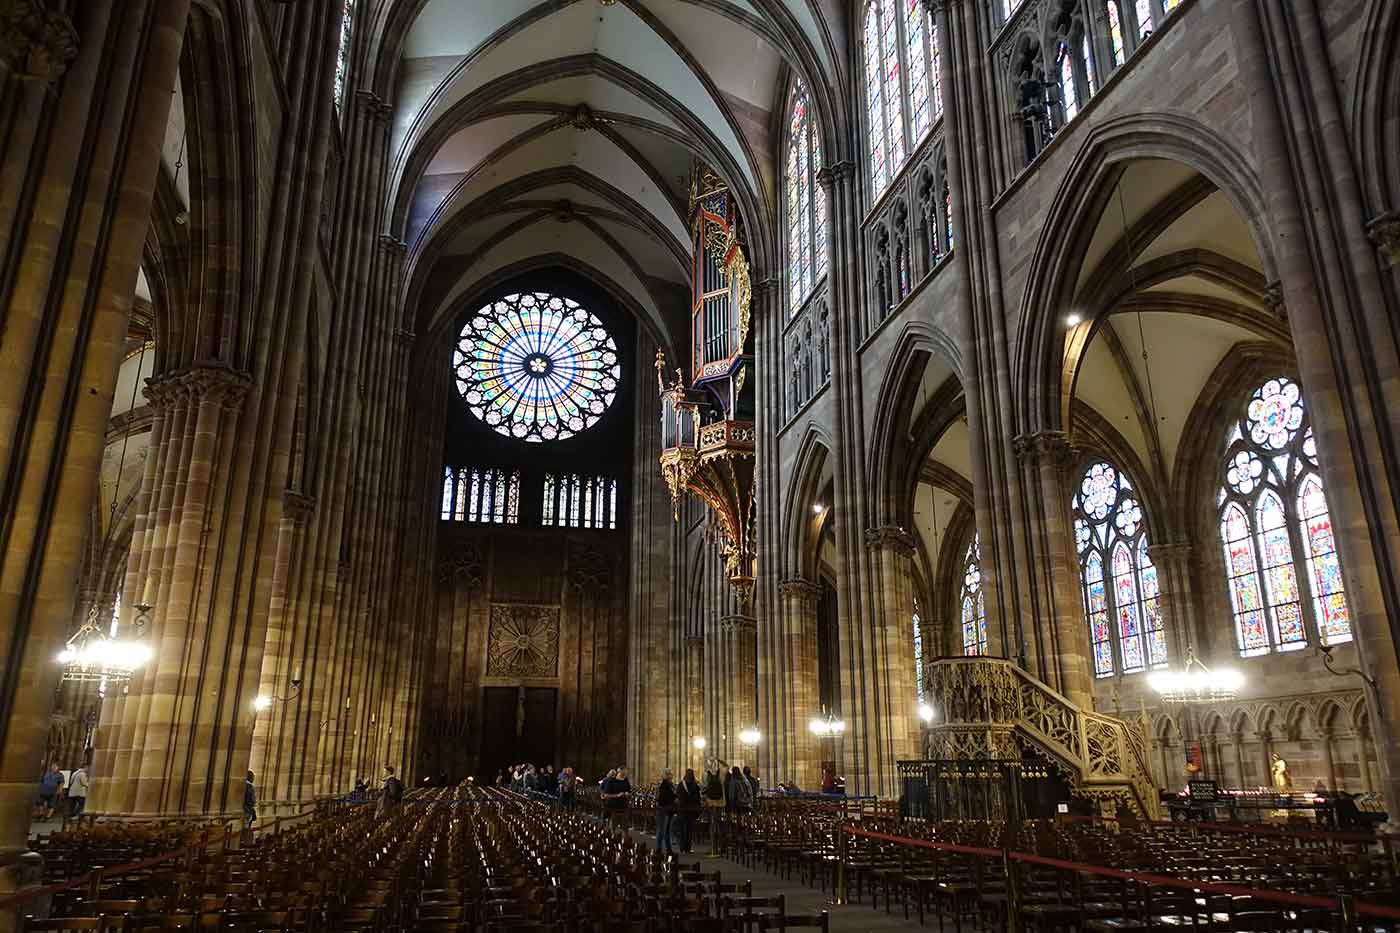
{"x":1061,"y":633}
{"x":281,"y":679}
{"x":1184,"y":633}
{"x":76,"y":180}
{"x":694,"y":674}
{"x":1342,"y":317}
{"x":1238,"y":739}
{"x":1329,"y":756}
{"x":799,"y":756}
{"x":1266,"y":752}
{"x":740,"y":710}
{"x":879,"y":659}
{"x":1363,"y":753}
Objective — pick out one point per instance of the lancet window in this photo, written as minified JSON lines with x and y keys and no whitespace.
{"x":903,"y":90}
{"x":806,"y":205}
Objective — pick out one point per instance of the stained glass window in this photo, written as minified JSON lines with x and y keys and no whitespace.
{"x":903,"y":89}
{"x":574,"y":501}
{"x":342,"y":53}
{"x":973,"y":602}
{"x":920,"y":113}
{"x":806,"y":208}
{"x":1122,"y":596}
{"x":1115,"y":32}
{"x":536,"y":367}
{"x":875,"y":99}
{"x":918,"y":627}
{"x":476,"y":495}
{"x":1276,"y":530}
{"x":1144,"y":18}
{"x":1069,"y":98}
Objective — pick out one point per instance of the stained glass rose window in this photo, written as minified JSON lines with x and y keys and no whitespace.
{"x":536,"y":367}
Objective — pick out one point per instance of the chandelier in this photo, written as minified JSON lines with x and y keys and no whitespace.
{"x":1196,"y":683}
{"x":827,"y":726}
{"x":91,"y":655}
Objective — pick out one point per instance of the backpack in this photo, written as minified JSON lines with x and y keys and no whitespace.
{"x":743,"y":793}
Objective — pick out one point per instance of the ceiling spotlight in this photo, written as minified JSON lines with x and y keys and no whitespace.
{"x":1073,"y":320}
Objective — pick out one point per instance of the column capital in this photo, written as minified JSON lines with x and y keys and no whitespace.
{"x":404,"y":338}
{"x":1384,"y":231}
{"x":828,"y":175}
{"x":799,"y":588}
{"x":297,"y":506}
{"x":694,"y":641}
{"x":738,"y":623}
{"x":392,"y":245}
{"x":1273,"y":300}
{"x":890,"y":536}
{"x":36,"y":42}
{"x":934,"y":7}
{"x":1169,"y":551}
{"x":217,"y":382}
{"x":1045,"y":446}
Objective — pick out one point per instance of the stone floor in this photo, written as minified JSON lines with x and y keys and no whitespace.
{"x":803,"y":900}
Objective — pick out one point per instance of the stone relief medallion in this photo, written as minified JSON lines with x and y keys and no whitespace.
{"x":523,"y":641}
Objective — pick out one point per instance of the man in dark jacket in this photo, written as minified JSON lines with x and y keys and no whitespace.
{"x":665,"y":811}
{"x":753,"y":785}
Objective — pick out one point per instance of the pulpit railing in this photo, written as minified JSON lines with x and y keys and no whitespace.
{"x":988,"y":708}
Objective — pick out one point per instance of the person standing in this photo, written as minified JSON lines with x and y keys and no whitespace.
{"x":738,"y":793}
{"x":77,"y":791}
{"x":688,"y":803}
{"x":392,"y":794}
{"x":753,"y":785}
{"x":250,"y":802}
{"x":617,"y":792}
{"x":665,"y":811}
{"x":567,"y":788}
{"x":49,"y":786}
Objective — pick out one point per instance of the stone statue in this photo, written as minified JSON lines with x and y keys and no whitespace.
{"x":1283,"y":781}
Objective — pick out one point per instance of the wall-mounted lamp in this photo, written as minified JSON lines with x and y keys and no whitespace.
{"x":699,"y":743}
{"x":264,"y":703}
{"x":750,"y":736}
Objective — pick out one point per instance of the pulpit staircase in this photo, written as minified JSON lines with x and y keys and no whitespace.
{"x":990,"y":708}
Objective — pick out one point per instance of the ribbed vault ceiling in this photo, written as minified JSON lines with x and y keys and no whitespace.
{"x":567,"y":128}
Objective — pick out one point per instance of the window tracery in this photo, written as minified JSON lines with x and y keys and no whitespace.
{"x":342,"y":53}
{"x":490,"y":496}
{"x":1122,"y":597}
{"x":1285,"y":581}
{"x":536,"y":367}
{"x":574,"y":501}
{"x":972,"y":602}
{"x":806,"y":205}
{"x":903,"y":90}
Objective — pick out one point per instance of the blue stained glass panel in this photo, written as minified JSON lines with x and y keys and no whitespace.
{"x":1288,"y":626}
{"x":1103,"y":659}
{"x":1253,"y":639}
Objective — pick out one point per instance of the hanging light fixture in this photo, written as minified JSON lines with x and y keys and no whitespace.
{"x":1196,"y":683}
{"x":91,"y":655}
{"x":827,"y":726}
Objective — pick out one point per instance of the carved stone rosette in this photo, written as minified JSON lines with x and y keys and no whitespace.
{"x":523,"y":641}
